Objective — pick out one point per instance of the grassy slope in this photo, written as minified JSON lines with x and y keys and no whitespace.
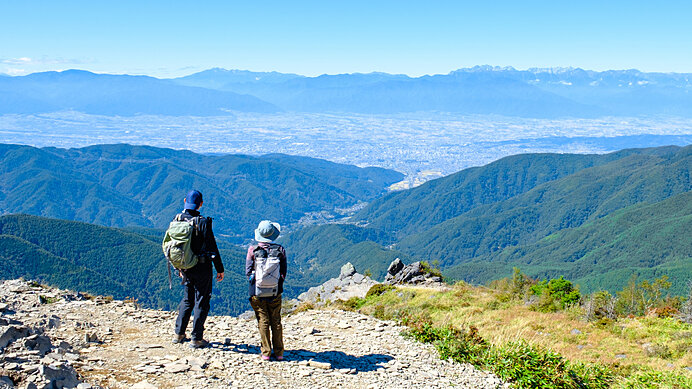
{"x":501,"y":322}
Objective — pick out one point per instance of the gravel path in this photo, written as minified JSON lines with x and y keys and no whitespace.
{"x":115,"y":344}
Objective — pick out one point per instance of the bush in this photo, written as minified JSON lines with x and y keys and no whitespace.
{"x":639,"y":298}
{"x":600,"y":305}
{"x":554,"y":295}
{"x":378,"y":290}
{"x":432,"y":270}
{"x":352,"y":304}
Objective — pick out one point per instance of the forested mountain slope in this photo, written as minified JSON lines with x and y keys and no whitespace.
{"x":479,"y":223}
{"x":564,"y":203}
{"x":107,"y":261}
{"x":123,"y":185}
{"x":647,"y":240}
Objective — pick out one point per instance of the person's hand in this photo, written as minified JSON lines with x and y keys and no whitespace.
{"x":180,"y":274}
{"x":219,"y":277}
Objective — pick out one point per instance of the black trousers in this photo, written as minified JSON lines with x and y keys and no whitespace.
{"x":196,"y":296}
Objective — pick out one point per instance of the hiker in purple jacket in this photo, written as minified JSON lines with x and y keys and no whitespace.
{"x":265,"y":267}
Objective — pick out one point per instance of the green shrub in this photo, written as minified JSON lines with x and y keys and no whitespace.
{"x":554,"y":295}
{"x":47,"y":300}
{"x":432,"y":270}
{"x":378,"y":290}
{"x":639,"y":298}
{"x":600,"y":305}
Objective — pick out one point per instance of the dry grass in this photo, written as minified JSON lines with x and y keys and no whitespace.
{"x":502,"y":321}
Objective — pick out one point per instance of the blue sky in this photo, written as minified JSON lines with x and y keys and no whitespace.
{"x":173,"y":38}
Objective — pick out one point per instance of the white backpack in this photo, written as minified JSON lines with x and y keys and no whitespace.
{"x":267,"y":265}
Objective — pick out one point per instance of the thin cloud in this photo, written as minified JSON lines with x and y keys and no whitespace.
{"x":16,"y":61}
{"x":27,"y":61}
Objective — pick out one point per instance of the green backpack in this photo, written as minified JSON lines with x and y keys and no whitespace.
{"x":177,"y":246}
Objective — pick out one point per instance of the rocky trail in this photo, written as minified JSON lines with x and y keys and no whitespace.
{"x":56,"y":338}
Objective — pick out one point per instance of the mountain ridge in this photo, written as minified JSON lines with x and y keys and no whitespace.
{"x":534,"y":93}
{"x":120,"y":185}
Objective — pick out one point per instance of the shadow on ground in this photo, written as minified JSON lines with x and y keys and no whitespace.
{"x":338,"y":359}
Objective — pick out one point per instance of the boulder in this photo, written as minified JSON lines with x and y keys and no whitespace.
{"x":11,"y":333}
{"x":59,"y":377}
{"x":41,"y":343}
{"x":395,"y":267}
{"x":414,"y":274}
{"x":349,"y":284}
{"x":347,"y":270}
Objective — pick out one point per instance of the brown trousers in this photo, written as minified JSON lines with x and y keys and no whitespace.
{"x":268,"y":314}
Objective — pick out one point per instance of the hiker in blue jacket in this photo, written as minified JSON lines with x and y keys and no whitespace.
{"x":197,"y":281}
{"x":265,"y":267}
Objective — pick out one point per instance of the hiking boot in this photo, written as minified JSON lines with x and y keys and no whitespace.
{"x":199,"y":344}
{"x":178,"y":339}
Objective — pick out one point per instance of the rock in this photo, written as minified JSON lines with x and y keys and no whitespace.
{"x":620,"y":356}
{"x":247,"y":315}
{"x":575,"y":332}
{"x":342,"y":288}
{"x":12,"y":333}
{"x":320,"y":365}
{"x":144,"y":385}
{"x":59,"y":377}
{"x":38,"y":342}
{"x":49,"y":323}
{"x":415,"y":274}
{"x":417,"y":280}
{"x":84,"y":385}
{"x":91,"y":337}
{"x":347,"y":270}
{"x":395,"y":267}
{"x":176,"y":368}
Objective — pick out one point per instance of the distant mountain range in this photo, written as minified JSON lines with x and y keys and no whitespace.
{"x":538,"y":93}
{"x":123,"y":185}
{"x":105,"y":94}
{"x":477,"y":90}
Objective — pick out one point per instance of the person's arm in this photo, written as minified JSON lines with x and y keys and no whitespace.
{"x":283,"y":264}
{"x":250,"y":261}
{"x":212,"y":250}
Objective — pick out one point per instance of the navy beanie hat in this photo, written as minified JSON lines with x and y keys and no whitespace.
{"x":193,"y":199}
